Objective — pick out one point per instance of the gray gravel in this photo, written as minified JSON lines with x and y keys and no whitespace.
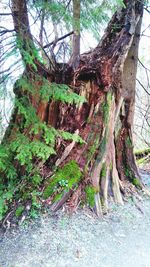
{"x":120,"y":239}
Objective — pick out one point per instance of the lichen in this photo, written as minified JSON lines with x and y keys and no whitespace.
{"x":64,"y":179}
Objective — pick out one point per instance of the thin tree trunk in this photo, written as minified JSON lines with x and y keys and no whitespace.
{"x":76,"y":36}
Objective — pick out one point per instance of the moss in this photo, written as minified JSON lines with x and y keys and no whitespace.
{"x":106,"y":107}
{"x":92,"y":149}
{"x":19,"y":211}
{"x":127,"y":172}
{"x":64,"y":179}
{"x":136,"y":182}
{"x":103,"y":171}
{"x":132,"y":178}
{"x":128,"y":142}
{"x":111,"y":166}
{"x":90,"y":193}
{"x":102,"y":148}
{"x":57,"y":197}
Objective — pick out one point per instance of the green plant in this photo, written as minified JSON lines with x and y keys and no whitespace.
{"x":59,"y":92}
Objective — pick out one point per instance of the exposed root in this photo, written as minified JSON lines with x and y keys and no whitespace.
{"x":105,"y":190}
{"x":98,"y":206}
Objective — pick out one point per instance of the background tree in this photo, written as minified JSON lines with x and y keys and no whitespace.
{"x":70,"y":135}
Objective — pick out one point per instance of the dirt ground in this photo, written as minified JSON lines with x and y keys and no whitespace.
{"x":120,"y":239}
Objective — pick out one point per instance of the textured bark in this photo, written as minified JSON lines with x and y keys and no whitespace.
{"x":106,"y":77}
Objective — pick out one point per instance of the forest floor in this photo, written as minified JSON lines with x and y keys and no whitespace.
{"x":120,"y":239}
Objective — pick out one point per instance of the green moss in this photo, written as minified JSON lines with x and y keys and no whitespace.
{"x":90,"y":193}
{"x":102,"y":148}
{"x":128,"y":142}
{"x":127,"y":172}
{"x":111,"y":166}
{"x":64,"y":179}
{"x":136,"y":182}
{"x":103,"y":171}
{"x":132,"y":178}
{"x":106,"y":107}
{"x":19,"y":211}
{"x":92,"y":150}
{"x":57,"y":197}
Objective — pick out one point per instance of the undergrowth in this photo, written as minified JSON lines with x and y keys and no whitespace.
{"x":28,"y":144}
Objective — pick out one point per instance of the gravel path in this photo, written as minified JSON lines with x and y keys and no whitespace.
{"x":120,"y":239}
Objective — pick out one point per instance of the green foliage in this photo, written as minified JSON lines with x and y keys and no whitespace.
{"x":36,"y":179}
{"x":27,"y":111}
{"x":95,"y":15}
{"x":63,"y":180}
{"x":69,"y":136}
{"x":25,"y":150}
{"x":90,"y":195}
{"x":23,"y":84}
{"x":5,"y":198}
{"x":28,"y":51}
{"x":3,"y":207}
{"x":6,"y":165}
{"x":60,"y":92}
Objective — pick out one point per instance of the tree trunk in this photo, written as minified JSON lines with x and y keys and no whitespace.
{"x":104,"y":166}
{"x":74,"y":61}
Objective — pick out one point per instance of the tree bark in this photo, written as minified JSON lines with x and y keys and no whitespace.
{"x":76,"y":36}
{"x":106,"y":78}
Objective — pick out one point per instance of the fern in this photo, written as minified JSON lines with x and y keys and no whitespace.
{"x":60,"y":92}
{"x":27,"y":111}
{"x":6,"y":165}
{"x":69,"y":136}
